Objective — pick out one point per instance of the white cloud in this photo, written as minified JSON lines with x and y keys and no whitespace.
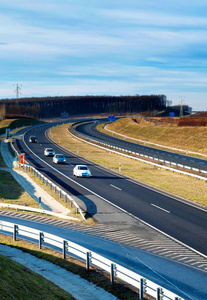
{"x":114,"y":47}
{"x":155,"y":19}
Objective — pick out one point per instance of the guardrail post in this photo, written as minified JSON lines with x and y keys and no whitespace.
{"x":50,"y":185}
{"x":15,"y":232}
{"x":46,"y":182}
{"x":71,"y":203}
{"x":160,"y":294}
{"x":60,"y":193}
{"x":143,"y":288}
{"x":66,"y":198}
{"x":40,"y":201}
{"x":65,"y":248}
{"x":113,"y":272}
{"x":43,"y":179}
{"x":41,"y":239}
{"x":88,"y":260}
{"x":55,"y":189}
{"x":120,"y":167}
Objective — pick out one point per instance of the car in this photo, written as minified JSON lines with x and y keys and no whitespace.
{"x":32,"y":139}
{"x":81,"y":171}
{"x":49,"y":152}
{"x":58,"y":159}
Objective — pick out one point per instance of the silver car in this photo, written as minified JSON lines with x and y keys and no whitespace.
{"x":58,"y":159}
{"x":49,"y":152}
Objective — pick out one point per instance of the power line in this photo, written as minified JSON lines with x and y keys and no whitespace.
{"x":17,"y":91}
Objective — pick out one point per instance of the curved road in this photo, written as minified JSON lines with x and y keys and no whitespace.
{"x":89,"y":130}
{"x":176,"y":218}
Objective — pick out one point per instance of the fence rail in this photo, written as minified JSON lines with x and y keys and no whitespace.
{"x":104,"y":145}
{"x":116,"y":271}
{"x":57,"y":189}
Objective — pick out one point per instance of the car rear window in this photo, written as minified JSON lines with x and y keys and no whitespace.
{"x":83,"y":168}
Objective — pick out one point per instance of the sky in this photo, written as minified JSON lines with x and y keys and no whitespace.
{"x":105,"y":47}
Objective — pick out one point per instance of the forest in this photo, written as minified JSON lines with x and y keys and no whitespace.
{"x":52,"y":107}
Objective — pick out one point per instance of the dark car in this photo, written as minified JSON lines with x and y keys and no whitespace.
{"x":32,"y":139}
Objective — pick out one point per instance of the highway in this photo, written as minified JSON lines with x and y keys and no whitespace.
{"x":89,"y":129}
{"x":186,"y":223}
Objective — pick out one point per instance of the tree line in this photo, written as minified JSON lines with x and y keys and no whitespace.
{"x":52,"y":107}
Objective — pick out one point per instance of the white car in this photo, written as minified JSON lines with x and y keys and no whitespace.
{"x":81,"y":171}
{"x":49,"y":152}
{"x":59,"y":158}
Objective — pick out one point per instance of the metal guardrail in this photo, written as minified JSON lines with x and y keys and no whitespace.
{"x":38,"y":210}
{"x":47,"y":181}
{"x":56,"y":188}
{"x":142,"y":155}
{"x":153,"y":144}
{"x":116,"y":271}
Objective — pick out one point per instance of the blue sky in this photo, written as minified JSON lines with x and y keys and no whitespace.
{"x":102,"y":47}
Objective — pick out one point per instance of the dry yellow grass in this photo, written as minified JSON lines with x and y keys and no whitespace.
{"x":186,"y":138}
{"x":183,"y":186}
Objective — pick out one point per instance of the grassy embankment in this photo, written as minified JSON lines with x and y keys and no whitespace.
{"x":16,"y":123}
{"x":10,"y":191}
{"x":16,"y":275}
{"x":183,"y":186}
{"x":191,"y":138}
{"x":19,"y":282}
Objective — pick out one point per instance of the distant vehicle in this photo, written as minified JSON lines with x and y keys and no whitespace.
{"x":81,"y":171}
{"x":32,"y":139}
{"x":59,"y":158}
{"x":49,"y":152}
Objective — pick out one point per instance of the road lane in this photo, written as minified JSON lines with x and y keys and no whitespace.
{"x":89,"y":129}
{"x":185,"y":222}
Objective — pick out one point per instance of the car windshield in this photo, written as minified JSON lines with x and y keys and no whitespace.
{"x":59,"y":156}
{"x":49,"y":149}
{"x":83,"y":168}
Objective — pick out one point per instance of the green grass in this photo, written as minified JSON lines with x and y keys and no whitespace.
{"x":120,"y":290}
{"x":13,"y":193}
{"x":16,"y":123}
{"x":2,"y":163}
{"x":19,"y":282}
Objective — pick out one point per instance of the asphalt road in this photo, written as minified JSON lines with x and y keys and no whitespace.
{"x":89,"y":129}
{"x":176,"y":218}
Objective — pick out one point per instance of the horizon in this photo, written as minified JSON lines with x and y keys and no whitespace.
{"x":110,"y":48}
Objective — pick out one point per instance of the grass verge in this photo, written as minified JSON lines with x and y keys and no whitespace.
{"x":188,"y":138}
{"x":13,"y":193}
{"x":180,"y":185}
{"x":75,"y":266}
{"x":19,"y":282}
{"x":16,"y":123}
